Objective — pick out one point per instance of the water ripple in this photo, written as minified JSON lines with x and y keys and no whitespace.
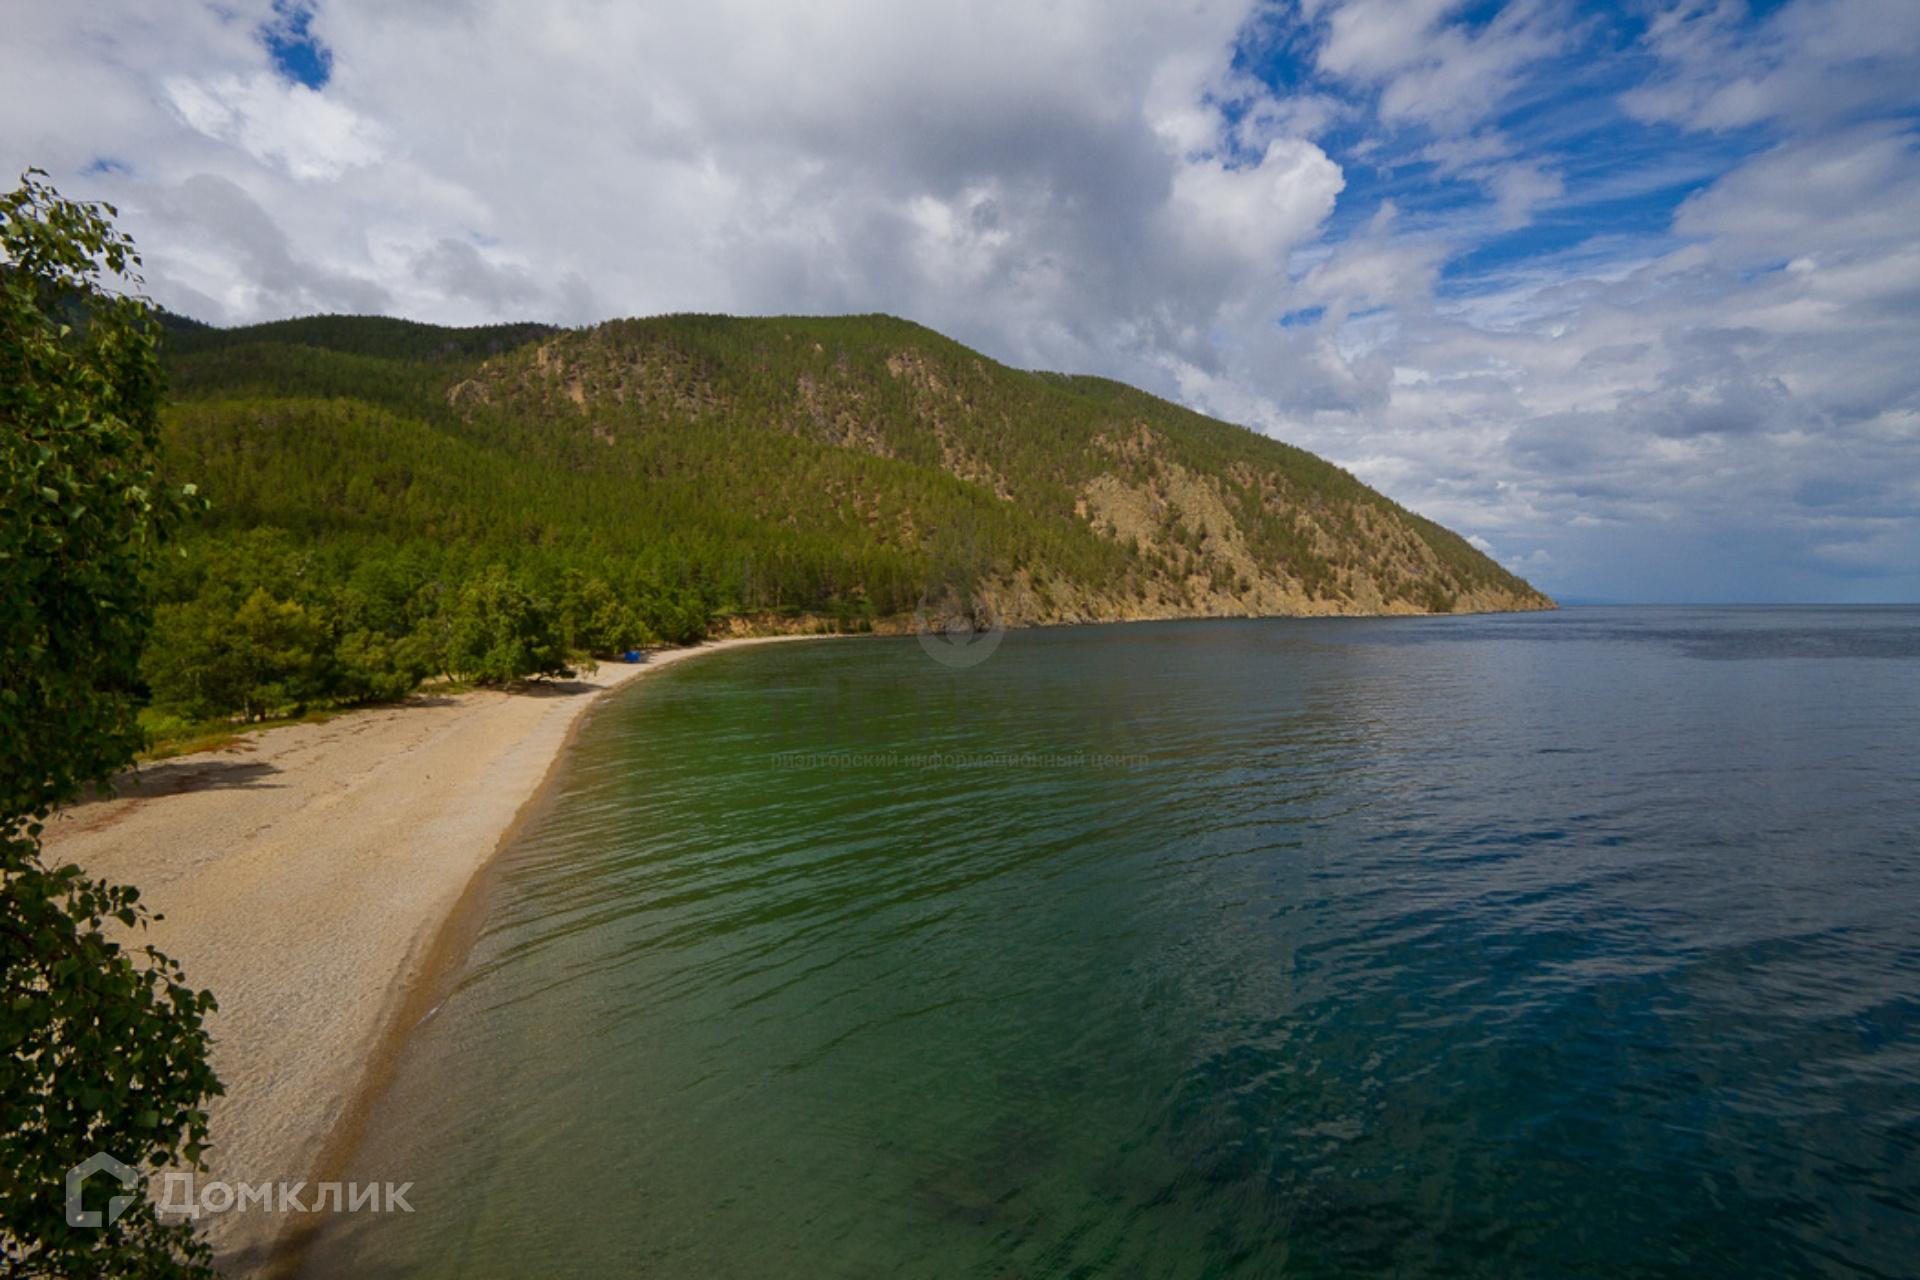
{"x":1568,"y":945}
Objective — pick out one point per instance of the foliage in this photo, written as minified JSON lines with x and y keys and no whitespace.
{"x":594,"y":620}
{"x":79,"y":410}
{"x":632,"y":481}
{"x":105,"y":1047}
{"x":755,"y":465}
{"x":258,"y":658}
{"x":105,"y":1052}
{"x":501,"y":631}
{"x":265,"y":623}
{"x":256,"y":627}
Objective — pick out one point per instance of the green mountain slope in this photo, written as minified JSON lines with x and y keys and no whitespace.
{"x":852,"y":466}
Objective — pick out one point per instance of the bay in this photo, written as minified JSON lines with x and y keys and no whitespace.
{"x":1574,"y":944}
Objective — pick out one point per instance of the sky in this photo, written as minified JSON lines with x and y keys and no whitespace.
{"x":1627,"y":292}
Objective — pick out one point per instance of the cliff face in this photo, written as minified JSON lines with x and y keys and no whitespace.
{"x":1043,"y":497}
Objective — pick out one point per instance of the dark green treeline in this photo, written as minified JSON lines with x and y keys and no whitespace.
{"x":389,"y":500}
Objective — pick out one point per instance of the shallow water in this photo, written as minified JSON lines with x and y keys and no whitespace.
{"x":1568,"y":944}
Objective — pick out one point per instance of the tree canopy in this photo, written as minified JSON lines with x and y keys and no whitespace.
{"x":770,"y":465}
{"x":105,"y":1047}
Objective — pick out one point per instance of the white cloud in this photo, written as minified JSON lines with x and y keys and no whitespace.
{"x":229,"y":257}
{"x":311,"y":136}
{"x":1377,"y":38}
{"x":1815,"y":62}
{"x":1521,"y":188}
{"x":1430,"y":70}
{"x":1257,"y":212}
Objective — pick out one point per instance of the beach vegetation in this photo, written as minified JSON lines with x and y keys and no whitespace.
{"x":500,"y":631}
{"x":105,"y":1047}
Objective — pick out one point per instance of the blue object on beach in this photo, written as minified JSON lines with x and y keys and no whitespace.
{"x":631,"y":655}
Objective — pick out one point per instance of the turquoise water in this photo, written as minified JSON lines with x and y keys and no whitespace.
{"x":1578,"y":944}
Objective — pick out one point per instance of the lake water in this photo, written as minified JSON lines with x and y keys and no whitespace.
{"x":1576,"y":944}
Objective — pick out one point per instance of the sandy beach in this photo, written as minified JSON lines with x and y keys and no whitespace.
{"x":311,"y":876}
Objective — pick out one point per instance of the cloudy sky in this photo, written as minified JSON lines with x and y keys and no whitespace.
{"x":1629,"y":292}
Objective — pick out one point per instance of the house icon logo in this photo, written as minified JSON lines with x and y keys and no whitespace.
{"x":957,"y":622}
{"x":80,"y":1216}
{"x":958,"y":641}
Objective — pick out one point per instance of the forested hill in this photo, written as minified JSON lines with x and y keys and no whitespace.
{"x":847,"y":466}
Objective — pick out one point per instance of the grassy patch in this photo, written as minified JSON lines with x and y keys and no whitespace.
{"x":169,"y":735}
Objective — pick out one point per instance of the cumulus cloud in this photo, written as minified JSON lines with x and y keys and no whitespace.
{"x":290,"y":125}
{"x":1255,"y":213}
{"x":232,"y":259}
{"x":1632,"y":302}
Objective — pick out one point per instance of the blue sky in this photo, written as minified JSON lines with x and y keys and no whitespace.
{"x":295,"y":49}
{"x":1627,"y":292}
{"x":1620,"y":178}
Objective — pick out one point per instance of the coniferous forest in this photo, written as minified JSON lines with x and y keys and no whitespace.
{"x":387,"y":502}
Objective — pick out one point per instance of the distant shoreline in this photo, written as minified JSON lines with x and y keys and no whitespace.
{"x":322,"y":880}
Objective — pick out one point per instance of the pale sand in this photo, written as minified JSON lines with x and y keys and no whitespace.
{"x":310,"y":878}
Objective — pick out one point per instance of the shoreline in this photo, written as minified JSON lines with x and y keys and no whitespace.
{"x":324,"y":885}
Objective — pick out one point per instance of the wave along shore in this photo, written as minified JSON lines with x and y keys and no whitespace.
{"x":310,"y":876}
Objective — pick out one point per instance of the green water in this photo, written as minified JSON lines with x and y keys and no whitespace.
{"x":1574,"y":945}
